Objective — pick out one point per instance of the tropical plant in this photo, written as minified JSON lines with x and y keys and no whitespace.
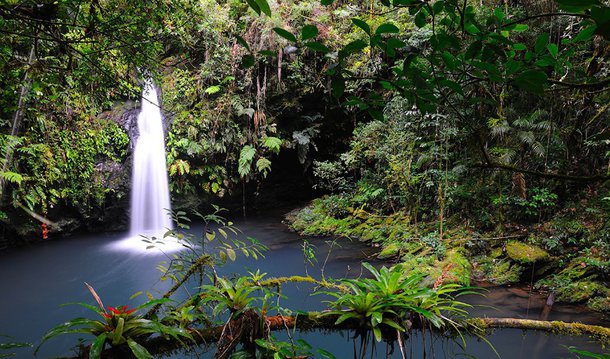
{"x":393,"y":299}
{"x":118,"y":326}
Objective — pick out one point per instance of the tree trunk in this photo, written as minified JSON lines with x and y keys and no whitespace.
{"x":25,"y":88}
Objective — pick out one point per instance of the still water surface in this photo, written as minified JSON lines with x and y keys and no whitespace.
{"x":39,"y":279}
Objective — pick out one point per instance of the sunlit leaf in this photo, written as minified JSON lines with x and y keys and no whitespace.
{"x":285,"y":34}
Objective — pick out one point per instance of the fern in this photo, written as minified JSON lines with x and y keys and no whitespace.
{"x":12,"y":177}
{"x":273,"y":143}
{"x":246,"y":156}
{"x":263,"y":166}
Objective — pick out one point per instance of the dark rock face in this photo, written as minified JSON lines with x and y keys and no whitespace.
{"x":126,"y":116}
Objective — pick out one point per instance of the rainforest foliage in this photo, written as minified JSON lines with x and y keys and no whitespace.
{"x":463,"y":134}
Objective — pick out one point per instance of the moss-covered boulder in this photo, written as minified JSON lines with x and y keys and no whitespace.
{"x":600,"y":304}
{"x":579,"y":292}
{"x":454,"y":268}
{"x":389,"y":251}
{"x":525,"y":253}
{"x":504,"y":272}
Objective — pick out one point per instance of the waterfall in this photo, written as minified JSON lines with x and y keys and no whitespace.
{"x":149,"y":190}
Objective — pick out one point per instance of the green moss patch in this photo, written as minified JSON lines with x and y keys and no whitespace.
{"x":525,"y":253}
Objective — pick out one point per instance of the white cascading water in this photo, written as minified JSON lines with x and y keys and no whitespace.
{"x":149,"y":189}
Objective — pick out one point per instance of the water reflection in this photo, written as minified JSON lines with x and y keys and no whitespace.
{"x":37,"y":280}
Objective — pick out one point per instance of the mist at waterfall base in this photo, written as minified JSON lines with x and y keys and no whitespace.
{"x":150,"y":201}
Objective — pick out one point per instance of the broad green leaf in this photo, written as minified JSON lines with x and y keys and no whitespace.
{"x":553,"y":49}
{"x":327,"y":2}
{"x":325,"y":353}
{"x":387,"y":28}
{"x":520,"y":28}
{"x":242,"y":42}
{"x":532,"y":81}
{"x":254,"y":6}
{"x":139,"y":351}
{"x":363,"y":25}
{"x":231,"y":254}
{"x":247,"y":61}
{"x":309,"y":32}
{"x":337,"y":86}
{"x":95,"y":352}
{"x":601,"y":16}
{"x":541,"y":42}
{"x":577,"y":5}
{"x":210,"y":235}
{"x":376,"y":114}
{"x":285,"y":34}
{"x":420,"y":19}
{"x":471,"y":28}
{"x":317,"y":46}
{"x":377,"y":333}
{"x":264,"y":6}
{"x":585,"y":34}
{"x":118,"y":331}
{"x":473,"y":50}
{"x":355,"y":46}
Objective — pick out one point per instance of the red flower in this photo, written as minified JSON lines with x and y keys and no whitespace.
{"x":122,"y":310}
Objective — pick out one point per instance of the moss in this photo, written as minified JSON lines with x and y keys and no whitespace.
{"x":578,"y":292}
{"x":461,"y":269}
{"x":422,"y":265}
{"x":389,"y":251}
{"x":525,"y":253}
{"x":600,"y":304}
{"x":497,"y":271}
{"x":496,"y":253}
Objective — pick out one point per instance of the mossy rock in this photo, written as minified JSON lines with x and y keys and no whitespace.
{"x":460,"y":269}
{"x":600,"y":304}
{"x":421,"y":265}
{"x":579,"y":292}
{"x":496,"y":252}
{"x":389,"y":251}
{"x":497,"y":271}
{"x":525,"y":253}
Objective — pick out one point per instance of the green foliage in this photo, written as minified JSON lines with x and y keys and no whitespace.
{"x":382,"y":301}
{"x":117,"y":326}
{"x":9,"y":345}
{"x":587,"y":354}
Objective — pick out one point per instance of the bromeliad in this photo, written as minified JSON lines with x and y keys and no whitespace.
{"x":120,"y":326}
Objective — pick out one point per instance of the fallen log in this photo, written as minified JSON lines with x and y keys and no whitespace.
{"x":595,"y":332}
{"x":326,"y":321}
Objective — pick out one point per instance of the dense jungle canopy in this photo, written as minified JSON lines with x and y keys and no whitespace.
{"x":466,"y":138}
